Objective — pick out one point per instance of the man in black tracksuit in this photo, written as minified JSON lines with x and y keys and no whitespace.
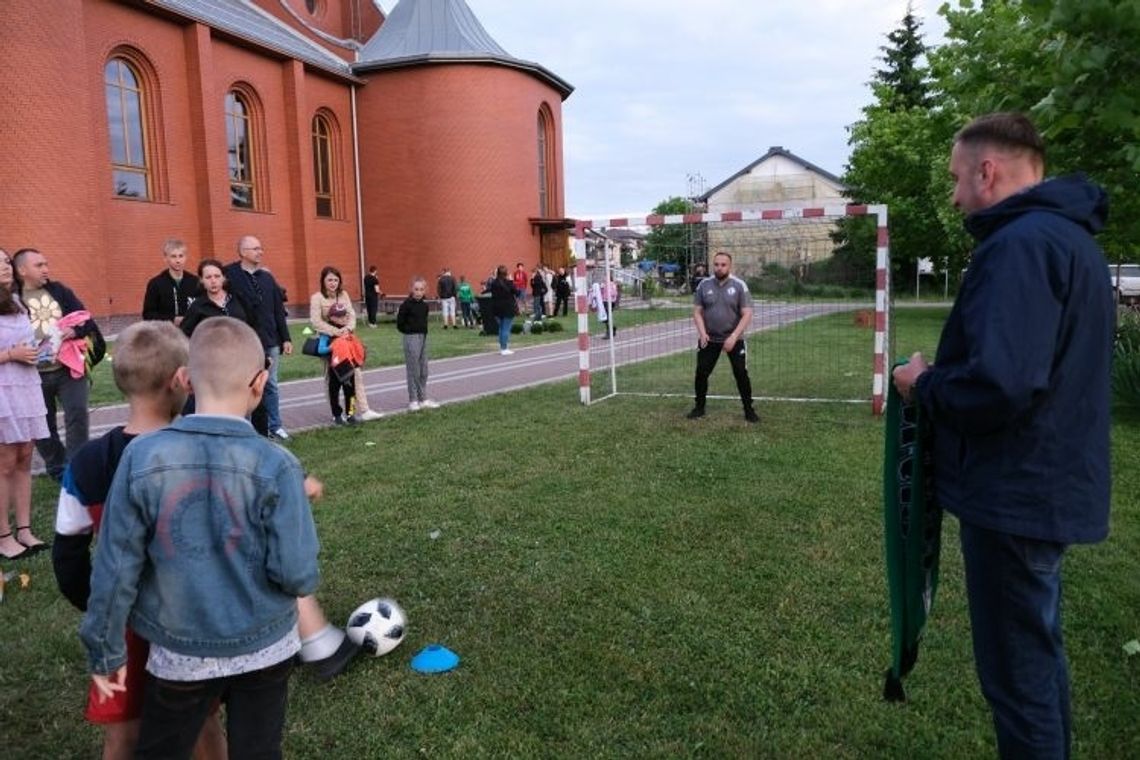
{"x":169,"y":293}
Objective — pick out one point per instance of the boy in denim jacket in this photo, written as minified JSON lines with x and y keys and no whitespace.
{"x":207,"y":540}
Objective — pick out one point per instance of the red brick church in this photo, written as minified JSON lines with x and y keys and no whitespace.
{"x":333,"y":133}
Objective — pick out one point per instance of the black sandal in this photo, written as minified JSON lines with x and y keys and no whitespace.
{"x":22,"y":553}
{"x":31,"y":548}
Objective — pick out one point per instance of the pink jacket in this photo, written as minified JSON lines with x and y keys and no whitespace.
{"x":73,"y":352}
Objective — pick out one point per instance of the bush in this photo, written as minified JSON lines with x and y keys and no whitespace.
{"x":1126,"y":359}
{"x":554,"y":326}
{"x":516,"y":328}
{"x":537,"y":328}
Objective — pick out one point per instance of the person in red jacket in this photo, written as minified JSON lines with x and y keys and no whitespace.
{"x":520,"y":279}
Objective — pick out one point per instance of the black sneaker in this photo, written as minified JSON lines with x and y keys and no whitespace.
{"x":696,"y":413}
{"x":336,"y":663}
{"x":751,"y":415}
{"x":338,"y":420}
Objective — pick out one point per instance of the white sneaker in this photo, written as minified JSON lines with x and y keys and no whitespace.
{"x":427,"y":403}
{"x":506,"y":352}
{"x":414,"y":406}
{"x":281,"y":434}
{"x":369,"y":415}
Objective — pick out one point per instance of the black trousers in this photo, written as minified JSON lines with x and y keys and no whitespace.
{"x":706,"y":361}
{"x":371,"y":303}
{"x":336,"y":387}
{"x":561,"y":301}
{"x":173,"y":713}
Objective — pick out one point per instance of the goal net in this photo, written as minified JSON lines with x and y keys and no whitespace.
{"x":818,"y":278}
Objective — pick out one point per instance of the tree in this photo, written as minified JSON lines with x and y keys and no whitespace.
{"x":904,"y":78}
{"x":1072,"y":65}
{"x":895,"y":147}
{"x":1091,"y":113}
{"x":675,"y":243}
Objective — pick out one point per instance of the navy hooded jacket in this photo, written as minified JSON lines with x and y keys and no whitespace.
{"x":1019,"y":391}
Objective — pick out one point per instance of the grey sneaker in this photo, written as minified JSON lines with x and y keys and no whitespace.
{"x":280,"y":434}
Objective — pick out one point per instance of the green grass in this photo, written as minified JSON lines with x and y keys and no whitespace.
{"x":639,"y":586}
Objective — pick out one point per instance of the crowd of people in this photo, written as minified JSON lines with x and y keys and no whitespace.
{"x":49,"y":344}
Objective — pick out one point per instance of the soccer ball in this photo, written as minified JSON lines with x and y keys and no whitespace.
{"x":377,"y":626}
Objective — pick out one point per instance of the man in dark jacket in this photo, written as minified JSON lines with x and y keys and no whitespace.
{"x":1019,"y":398}
{"x":264,"y":304}
{"x":47,"y":303}
{"x":445,"y":290}
{"x":537,"y":291}
{"x":372,"y":295}
{"x":169,"y":293}
{"x":561,"y":291}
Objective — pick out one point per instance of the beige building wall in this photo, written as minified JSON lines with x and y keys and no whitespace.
{"x":775,"y":183}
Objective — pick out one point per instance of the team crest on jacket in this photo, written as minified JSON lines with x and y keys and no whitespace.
{"x":731,"y":290}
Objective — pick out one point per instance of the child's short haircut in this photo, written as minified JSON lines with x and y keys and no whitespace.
{"x":147,"y":354}
{"x":225,"y":357}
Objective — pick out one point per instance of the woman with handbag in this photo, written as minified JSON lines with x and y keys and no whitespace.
{"x":332,"y":315}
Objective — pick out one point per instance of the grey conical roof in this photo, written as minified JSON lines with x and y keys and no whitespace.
{"x":439,"y":31}
{"x":422,"y":27}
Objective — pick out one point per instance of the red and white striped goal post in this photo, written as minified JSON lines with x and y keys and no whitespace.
{"x":882,"y":274}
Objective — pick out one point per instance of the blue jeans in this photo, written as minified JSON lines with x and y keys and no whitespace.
{"x":1013,"y":585}
{"x":272,"y":395}
{"x":538,"y":307}
{"x":505,"y":331}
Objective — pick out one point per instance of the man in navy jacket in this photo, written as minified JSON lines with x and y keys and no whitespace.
{"x":260,"y":294}
{"x":1019,"y":397}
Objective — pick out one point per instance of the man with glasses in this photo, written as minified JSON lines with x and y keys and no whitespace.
{"x":1019,"y":399}
{"x":259,"y":292}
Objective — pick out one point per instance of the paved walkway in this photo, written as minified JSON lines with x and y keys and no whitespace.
{"x":305,"y":404}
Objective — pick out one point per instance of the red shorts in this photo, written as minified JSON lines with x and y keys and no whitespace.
{"x":122,"y":705}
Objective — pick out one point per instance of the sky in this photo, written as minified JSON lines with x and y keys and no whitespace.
{"x":672,"y":97}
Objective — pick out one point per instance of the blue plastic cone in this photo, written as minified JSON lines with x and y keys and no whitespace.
{"x":434,"y":658}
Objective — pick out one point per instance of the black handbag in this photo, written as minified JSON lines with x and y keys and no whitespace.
{"x":311,"y":346}
{"x":96,"y":344}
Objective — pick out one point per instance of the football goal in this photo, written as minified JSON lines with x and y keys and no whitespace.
{"x":819,"y":282}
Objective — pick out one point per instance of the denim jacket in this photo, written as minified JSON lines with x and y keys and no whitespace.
{"x":207,"y":540}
